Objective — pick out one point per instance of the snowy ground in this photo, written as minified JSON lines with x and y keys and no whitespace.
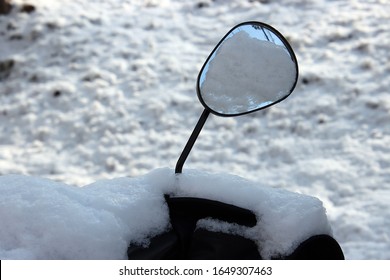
{"x":104,"y":89}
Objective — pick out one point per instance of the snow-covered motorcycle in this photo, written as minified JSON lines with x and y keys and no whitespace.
{"x":253,"y":67}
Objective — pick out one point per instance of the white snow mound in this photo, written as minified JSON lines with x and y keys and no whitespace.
{"x":43,"y":219}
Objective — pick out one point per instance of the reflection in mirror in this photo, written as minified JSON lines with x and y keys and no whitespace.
{"x":251,"y":68}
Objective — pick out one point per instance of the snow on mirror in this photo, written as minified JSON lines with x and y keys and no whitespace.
{"x":253,"y":67}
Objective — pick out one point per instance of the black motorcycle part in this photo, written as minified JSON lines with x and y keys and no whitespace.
{"x":318,"y":247}
{"x":185,"y":241}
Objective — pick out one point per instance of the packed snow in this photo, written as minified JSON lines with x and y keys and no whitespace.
{"x":94,"y":90}
{"x":42,"y":219}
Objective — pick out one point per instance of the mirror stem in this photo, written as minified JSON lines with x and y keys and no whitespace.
{"x":191,"y":141}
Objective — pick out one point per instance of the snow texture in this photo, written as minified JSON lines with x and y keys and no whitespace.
{"x":93,"y":90}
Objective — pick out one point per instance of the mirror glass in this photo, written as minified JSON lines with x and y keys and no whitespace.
{"x":251,"y":68}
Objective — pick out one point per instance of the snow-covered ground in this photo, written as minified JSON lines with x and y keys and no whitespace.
{"x":91,"y":90}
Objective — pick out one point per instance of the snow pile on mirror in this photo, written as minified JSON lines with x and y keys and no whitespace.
{"x":43,"y":219}
{"x":246,"y":72}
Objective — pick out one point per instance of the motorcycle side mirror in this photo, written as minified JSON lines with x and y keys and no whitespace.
{"x":251,"y":68}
